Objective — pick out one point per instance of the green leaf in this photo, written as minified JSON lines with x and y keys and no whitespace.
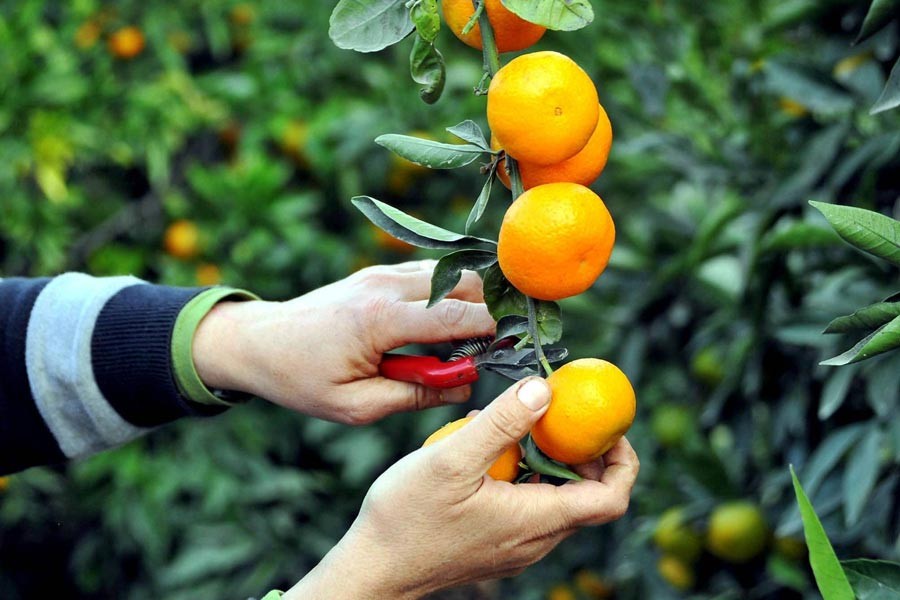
{"x":883,"y":339}
{"x":434,"y":155}
{"x":481,"y":203}
{"x":512,"y":325}
{"x":427,"y":68}
{"x":868,"y":318}
{"x":448,"y":270}
{"x":412,"y":230}
{"x":469,"y":131}
{"x":829,"y":575}
{"x":835,"y":391}
{"x":890,"y":96}
{"x":558,"y":15}
{"x":880,"y":14}
{"x":867,"y":230}
{"x":369,"y":25}
{"x":873,"y":579}
{"x":796,"y":235}
{"x":861,"y":474}
{"x":426,"y":18}
{"x":503,"y":299}
{"x":538,"y":462}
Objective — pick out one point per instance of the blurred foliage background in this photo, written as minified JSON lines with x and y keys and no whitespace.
{"x":213,"y":141}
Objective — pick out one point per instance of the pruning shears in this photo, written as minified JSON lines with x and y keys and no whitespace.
{"x":467,"y":360}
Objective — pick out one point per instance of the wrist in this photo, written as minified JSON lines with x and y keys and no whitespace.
{"x":222,"y":343}
{"x":354,"y":570}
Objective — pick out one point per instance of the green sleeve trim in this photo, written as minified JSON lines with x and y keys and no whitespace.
{"x":273,"y":595}
{"x":186,"y":376}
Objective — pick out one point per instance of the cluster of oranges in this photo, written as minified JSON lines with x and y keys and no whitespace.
{"x":557,"y":237}
{"x":736,"y":533}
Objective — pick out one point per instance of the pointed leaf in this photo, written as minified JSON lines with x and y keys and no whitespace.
{"x":434,"y":155}
{"x":448,"y":270}
{"x":558,"y":15}
{"x":412,"y":230}
{"x":512,"y":325}
{"x":883,"y":339}
{"x":880,"y":14}
{"x":870,"y":317}
{"x":829,"y":575}
{"x":481,"y":203}
{"x":861,"y":475}
{"x":538,"y":462}
{"x":835,"y":391}
{"x":426,"y":66}
{"x":873,"y":579}
{"x":503,"y":299}
{"x":799,"y":235}
{"x":890,"y":96}
{"x":469,"y":131}
{"x":369,"y":25}
{"x":867,"y":230}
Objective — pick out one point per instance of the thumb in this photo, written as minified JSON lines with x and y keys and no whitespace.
{"x":503,"y":423}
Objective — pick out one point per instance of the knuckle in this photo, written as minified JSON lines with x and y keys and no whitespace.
{"x":453,"y":313}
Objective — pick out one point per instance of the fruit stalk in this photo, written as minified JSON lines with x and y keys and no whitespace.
{"x":491,"y":66}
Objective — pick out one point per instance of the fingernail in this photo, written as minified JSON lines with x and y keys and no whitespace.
{"x":456,"y":395}
{"x":534,"y":394}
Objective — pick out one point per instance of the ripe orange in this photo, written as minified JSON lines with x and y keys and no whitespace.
{"x":584,"y":168}
{"x":591,"y":585}
{"x":737,"y":531}
{"x":208,"y":274}
{"x":555,"y":240}
{"x":510,"y":31}
{"x":561,"y":591}
{"x":506,"y":468}
{"x":182,"y":239}
{"x":593,"y":406}
{"x":542,"y":107}
{"x":126,"y":43}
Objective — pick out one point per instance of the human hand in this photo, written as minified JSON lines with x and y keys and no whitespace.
{"x":319,"y":353}
{"x":435,"y":520}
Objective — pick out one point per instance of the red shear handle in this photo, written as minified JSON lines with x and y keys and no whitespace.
{"x":429,"y":370}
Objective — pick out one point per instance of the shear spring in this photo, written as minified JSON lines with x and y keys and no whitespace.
{"x":471,"y":347}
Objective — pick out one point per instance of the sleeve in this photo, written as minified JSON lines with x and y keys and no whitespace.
{"x":88,"y":363}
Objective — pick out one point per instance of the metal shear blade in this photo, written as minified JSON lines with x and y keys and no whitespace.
{"x":517,"y":364}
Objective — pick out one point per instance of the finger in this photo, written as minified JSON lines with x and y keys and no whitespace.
{"x":475,"y":447}
{"x":378,"y":397}
{"x":412,"y":322}
{"x":416,"y":285}
{"x":592,"y":470}
{"x":589,"y":502}
{"x":472,"y":413}
{"x":411,"y":266}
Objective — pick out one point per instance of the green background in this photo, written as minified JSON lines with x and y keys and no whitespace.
{"x":247,"y":121}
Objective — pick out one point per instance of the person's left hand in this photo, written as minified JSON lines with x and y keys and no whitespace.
{"x":319,"y":354}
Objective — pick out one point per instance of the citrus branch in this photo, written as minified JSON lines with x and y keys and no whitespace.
{"x":491,"y":66}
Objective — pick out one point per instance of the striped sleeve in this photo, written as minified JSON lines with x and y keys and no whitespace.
{"x":86,"y":364}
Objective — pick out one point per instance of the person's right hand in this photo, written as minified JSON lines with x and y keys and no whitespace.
{"x":434,"y":520}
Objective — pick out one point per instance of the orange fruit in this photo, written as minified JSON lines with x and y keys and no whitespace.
{"x":542,"y":107}
{"x":87,"y":34}
{"x":126,"y":43}
{"x":737,"y":531}
{"x":676,"y":572}
{"x":182,"y":239}
{"x":593,"y":406}
{"x":591,"y":585}
{"x":675,"y":536}
{"x":505,"y":468}
{"x":208,"y":274}
{"x":4,"y":483}
{"x":561,"y":591}
{"x":510,"y":31}
{"x":555,"y":240}
{"x":584,"y":168}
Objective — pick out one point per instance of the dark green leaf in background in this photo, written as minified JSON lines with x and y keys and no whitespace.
{"x":559,"y":15}
{"x":863,"y":466}
{"x":867,"y":230}
{"x":369,"y":25}
{"x":829,"y":575}
{"x":448,"y":270}
{"x":427,"y":68}
{"x":428,"y":153}
{"x":880,"y":14}
{"x":412,"y":230}
{"x":873,"y":579}
{"x":890,"y":97}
